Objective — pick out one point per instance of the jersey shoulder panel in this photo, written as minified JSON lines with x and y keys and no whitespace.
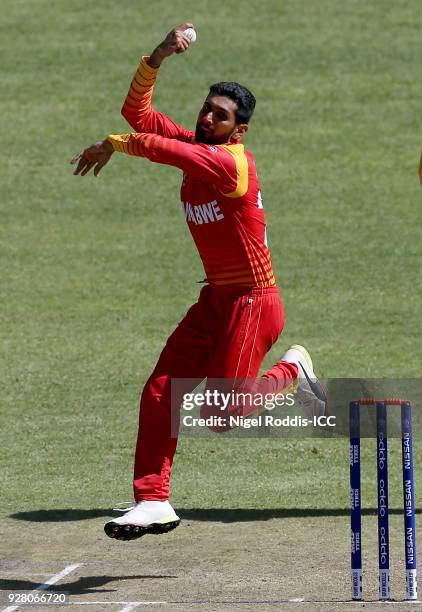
{"x":242,"y":170}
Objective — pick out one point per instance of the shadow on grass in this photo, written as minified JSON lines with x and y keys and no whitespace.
{"x":82,"y":586}
{"x":63,"y":514}
{"x":218,"y":515}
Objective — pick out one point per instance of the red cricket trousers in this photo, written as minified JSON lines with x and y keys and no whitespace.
{"x":226,"y":334}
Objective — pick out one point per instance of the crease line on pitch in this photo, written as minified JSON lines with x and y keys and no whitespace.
{"x":48,"y":583}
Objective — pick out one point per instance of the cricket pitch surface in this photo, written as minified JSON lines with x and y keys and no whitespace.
{"x":215,"y":560}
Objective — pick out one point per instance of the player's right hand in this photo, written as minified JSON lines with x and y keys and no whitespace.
{"x":96,"y":156}
{"x":174,"y":42}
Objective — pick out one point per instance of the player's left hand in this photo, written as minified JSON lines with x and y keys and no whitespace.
{"x":96,"y":156}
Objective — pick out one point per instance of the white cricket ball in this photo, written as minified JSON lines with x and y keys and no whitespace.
{"x":191,"y":34}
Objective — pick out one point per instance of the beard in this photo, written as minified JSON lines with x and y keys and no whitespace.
{"x":202,"y":136}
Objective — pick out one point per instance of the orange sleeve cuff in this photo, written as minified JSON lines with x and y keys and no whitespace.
{"x":138,"y":144}
{"x":145,"y":69}
{"x":119,"y":142}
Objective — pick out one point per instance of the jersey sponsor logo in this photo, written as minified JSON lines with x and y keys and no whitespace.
{"x":202,"y":213}
{"x":211,"y":148}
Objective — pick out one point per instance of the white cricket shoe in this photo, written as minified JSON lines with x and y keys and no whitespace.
{"x":310,"y":394}
{"x":144,"y":517}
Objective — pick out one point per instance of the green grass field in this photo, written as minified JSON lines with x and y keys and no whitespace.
{"x":96,"y":272}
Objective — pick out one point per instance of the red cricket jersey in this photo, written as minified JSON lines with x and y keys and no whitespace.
{"x":220,"y":192}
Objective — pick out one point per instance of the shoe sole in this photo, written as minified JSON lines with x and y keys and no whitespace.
{"x":316,"y":387}
{"x":302,"y":349}
{"x":133,"y":532}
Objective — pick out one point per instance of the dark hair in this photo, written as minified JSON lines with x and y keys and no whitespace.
{"x":244,"y":99}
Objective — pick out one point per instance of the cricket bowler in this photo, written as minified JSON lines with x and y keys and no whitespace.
{"x":239,"y":313}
